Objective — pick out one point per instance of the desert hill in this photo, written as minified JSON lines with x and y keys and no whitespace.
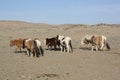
{"x":82,"y":64}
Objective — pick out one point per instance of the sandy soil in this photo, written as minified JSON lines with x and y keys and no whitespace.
{"x":82,"y":64}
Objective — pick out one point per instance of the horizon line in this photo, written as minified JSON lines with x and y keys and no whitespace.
{"x":57,"y":24}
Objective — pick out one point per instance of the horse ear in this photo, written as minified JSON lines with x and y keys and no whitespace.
{"x":92,"y":37}
{"x":57,"y":36}
{"x":85,"y":39}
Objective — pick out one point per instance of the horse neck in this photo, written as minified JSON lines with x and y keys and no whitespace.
{"x":88,"y":40}
{"x":61,"y":38}
{"x":14,"y":42}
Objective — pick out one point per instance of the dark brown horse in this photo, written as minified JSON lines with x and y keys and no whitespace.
{"x":52,"y":42}
{"x":17,"y":42}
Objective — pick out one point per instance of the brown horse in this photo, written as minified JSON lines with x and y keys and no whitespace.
{"x":29,"y":44}
{"x":52,"y":42}
{"x":33,"y":47}
{"x":17,"y":42}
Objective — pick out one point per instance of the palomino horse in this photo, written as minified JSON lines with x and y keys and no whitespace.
{"x":51,"y":42}
{"x":96,"y":41}
{"x":33,"y":46}
{"x":17,"y":42}
{"x":65,"y":43}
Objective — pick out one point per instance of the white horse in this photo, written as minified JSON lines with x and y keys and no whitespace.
{"x":96,"y":41}
{"x":39,"y":50}
{"x":65,"y":43}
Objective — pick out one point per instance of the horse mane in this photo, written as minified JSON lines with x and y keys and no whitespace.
{"x":57,"y":36}
{"x":23,"y":45}
{"x":36,"y":39}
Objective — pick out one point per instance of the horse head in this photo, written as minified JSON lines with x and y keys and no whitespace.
{"x":12,"y":43}
{"x":86,"y":39}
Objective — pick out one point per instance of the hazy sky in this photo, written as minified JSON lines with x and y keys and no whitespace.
{"x":61,"y":11}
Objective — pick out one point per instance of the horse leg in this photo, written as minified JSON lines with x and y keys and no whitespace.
{"x":20,"y":50}
{"x":96,"y":47}
{"x":18,"y":47}
{"x":33,"y":54}
{"x":28,"y":52}
{"x":55,"y":46}
{"x":64,"y":49}
{"x":38,"y":53}
{"x":68,"y":49}
{"x":61,"y":47}
{"x":102,"y":45}
{"x":92,"y":48}
{"x":41,"y":51}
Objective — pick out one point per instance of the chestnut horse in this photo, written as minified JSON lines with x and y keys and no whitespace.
{"x":17,"y":42}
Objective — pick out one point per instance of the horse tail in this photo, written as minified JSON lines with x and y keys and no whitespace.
{"x":106,"y":43}
{"x":41,"y":50}
{"x":108,"y":46}
{"x":36,"y":49}
{"x":71,"y":45}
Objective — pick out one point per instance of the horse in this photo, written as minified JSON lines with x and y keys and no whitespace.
{"x":96,"y":41}
{"x":39,"y":50}
{"x":51,"y":42}
{"x":17,"y":42}
{"x":29,"y":44}
{"x":33,"y":46}
{"x":65,"y":43}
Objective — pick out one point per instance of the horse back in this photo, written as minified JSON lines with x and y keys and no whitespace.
{"x":17,"y":42}
{"x":96,"y":39}
{"x":51,"y":41}
{"x":29,"y":44}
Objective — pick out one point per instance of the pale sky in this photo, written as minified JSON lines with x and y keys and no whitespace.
{"x":61,"y":11}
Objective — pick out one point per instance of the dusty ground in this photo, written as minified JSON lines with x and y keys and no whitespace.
{"x":82,"y":64}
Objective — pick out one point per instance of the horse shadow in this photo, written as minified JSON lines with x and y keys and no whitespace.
{"x":53,"y":49}
{"x":88,"y":48}
{"x":17,"y":52}
{"x":84,"y":48}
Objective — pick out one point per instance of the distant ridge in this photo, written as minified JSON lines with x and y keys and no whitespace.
{"x":15,"y":22}
{"x":11,"y":23}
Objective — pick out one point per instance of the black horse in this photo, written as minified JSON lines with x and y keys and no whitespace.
{"x":52,"y":43}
